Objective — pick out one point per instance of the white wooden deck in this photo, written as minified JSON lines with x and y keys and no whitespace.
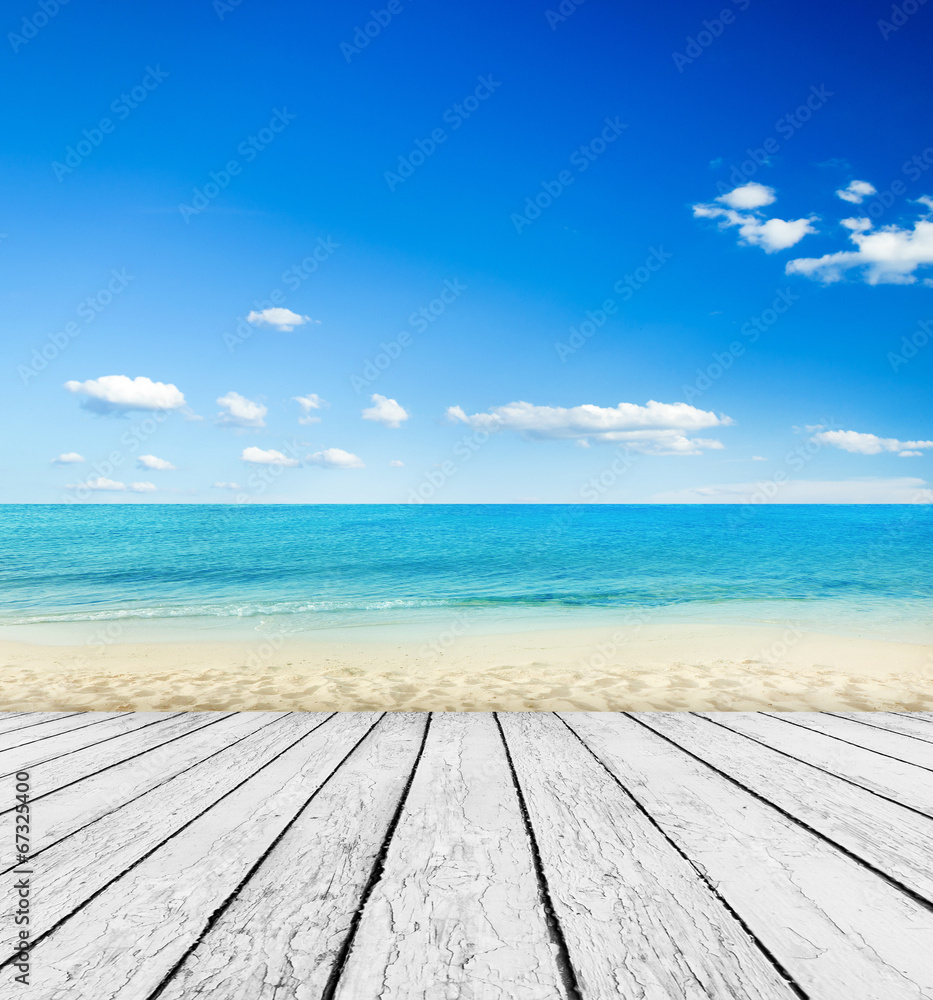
{"x":288,"y":856}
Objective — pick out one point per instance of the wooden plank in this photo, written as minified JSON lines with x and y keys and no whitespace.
{"x":896,"y":722}
{"x":283,"y":936}
{"x":907,"y":784}
{"x":72,"y":867}
{"x":14,"y":721}
{"x":841,"y":931}
{"x":67,"y":744}
{"x":68,"y":723}
{"x":457,"y":910}
{"x":69,"y":809}
{"x":638,"y":919}
{"x":135,"y":932}
{"x":847,"y":814}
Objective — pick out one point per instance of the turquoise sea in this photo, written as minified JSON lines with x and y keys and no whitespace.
{"x":142,"y":572}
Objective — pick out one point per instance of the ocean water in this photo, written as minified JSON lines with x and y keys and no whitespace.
{"x":118,"y":573}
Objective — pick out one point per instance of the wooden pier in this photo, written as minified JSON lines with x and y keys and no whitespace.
{"x":367,"y":856}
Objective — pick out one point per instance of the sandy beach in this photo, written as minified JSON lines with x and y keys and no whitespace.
{"x":661,"y":667}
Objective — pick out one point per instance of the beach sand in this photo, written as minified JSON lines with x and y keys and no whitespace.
{"x":664,"y":668}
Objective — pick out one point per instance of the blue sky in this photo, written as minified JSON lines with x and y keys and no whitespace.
{"x":546,"y":252}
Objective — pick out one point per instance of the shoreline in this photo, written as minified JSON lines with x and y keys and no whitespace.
{"x":656,"y":667}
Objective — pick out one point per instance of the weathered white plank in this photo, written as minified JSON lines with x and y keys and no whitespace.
{"x":907,"y":723}
{"x":883,"y":741}
{"x":638,"y":919}
{"x":77,"y":867}
{"x":67,"y":744}
{"x":842,"y":932}
{"x":884,"y":834}
{"x":10,"y":721}
{"x":281,"y":935}
{"x":457,"y":910}
{"x":68,"y":723}
{"x":124,"y":941}
{"x":905,"y":783}
{"x":68,"y":809}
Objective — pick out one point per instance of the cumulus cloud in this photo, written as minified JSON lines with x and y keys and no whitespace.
{"x":869,"y":490}
{"x":119,"y":394}
{"x":336,"y":458}
{"x":751,"y":195}
{"x":157,"y":464}
{"x":227,"y":486}
{"x":308,"y":404}
{"x":278,"y":318}
{"x":103,"y":485}
{"x":395,"y":463}
{"x":385,"y":411}
{"x":870,"y":444}
{"x":856,"y":192}
{"x":241,"y":412}
{"x":886,"y":256}
{"x":741,"y":209}
{"x":267,"y":456}
{"x":68,"y":458}
{"x":654,"y":429}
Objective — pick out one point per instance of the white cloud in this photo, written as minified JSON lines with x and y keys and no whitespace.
{"x":119,"y":393}
{"x":655,"y":428}
{"x":395,"y":463}
{"x":886,"y":256}
{"x":267,"y":456}
{"x":856,"y":192}
{"x":68,"y":458}
{"x":241,"y":412}
{"x":751,"y":195}
{"x":385,"y":411}
{"x":278,"y":318}
{"x":156,"y":464}
{"x":104,"y":485}
{"x":900,"y":490}
{"x":759,"y":458}
{"x":227,"y":486}
{"x":769,"y":234}
{"x":336,"y":458}
{"x":870,"y":444}
{"x":308,"y":403}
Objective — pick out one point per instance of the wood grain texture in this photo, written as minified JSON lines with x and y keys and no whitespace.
{"x":908,"y":725}
{"x":65,"y":746}
{"x":67,"y":810}
{"x":10,"y":721}
{"x":89,"y":860}
{"x":281,"y":936}
{"x":638,"y":919}
{"x":849,"y":815}
{"x":38,"y":734}
{"x":880,"y":741}
{"x":842,"y":932}
{"x":904,"y":783}
{"x":457,"y":910}
{"x":124,"y":941}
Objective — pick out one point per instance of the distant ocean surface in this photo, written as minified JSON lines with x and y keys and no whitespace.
{"x":147,"y":572}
